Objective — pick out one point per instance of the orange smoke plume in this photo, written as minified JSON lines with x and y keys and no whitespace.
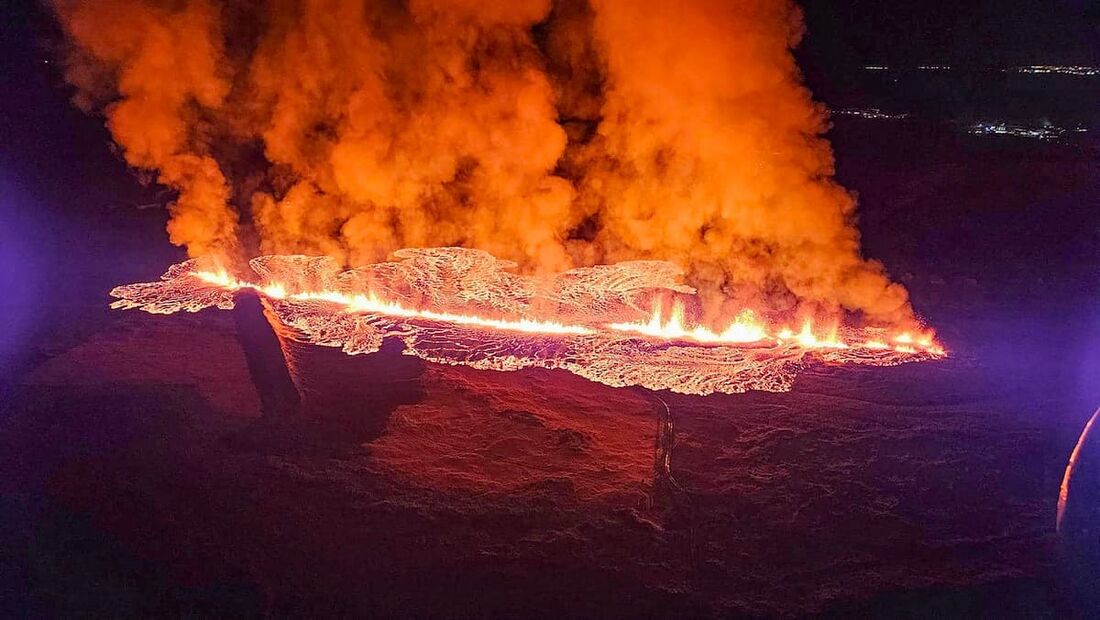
{"x":553,"y":134}
{"x":160,"y":71}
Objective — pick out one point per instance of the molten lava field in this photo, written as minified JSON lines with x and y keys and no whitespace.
{"x":590,"y":334}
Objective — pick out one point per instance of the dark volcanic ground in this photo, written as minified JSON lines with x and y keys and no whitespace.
{"x":139,"y":478}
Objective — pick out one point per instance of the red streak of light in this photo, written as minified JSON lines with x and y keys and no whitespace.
{"x":1063,"y":493}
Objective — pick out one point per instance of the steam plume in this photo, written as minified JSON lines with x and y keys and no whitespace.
{"x":553,"y":134}
{"x":708,"y":152}
{"x":160,"y":71}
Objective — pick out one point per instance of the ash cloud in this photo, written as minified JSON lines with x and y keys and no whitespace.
{"x":554,"y":134}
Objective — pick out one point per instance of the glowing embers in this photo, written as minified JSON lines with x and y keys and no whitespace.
{"x":457,"y":306}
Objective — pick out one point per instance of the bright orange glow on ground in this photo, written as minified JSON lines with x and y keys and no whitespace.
{"x":464,"y":307}
{"x":371,"y":304}
{"x":746,"y":328}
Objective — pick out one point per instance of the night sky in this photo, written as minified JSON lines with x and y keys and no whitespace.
{"x":978,"y":33}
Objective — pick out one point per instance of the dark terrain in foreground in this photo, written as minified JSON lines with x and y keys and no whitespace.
{"x":140,"y":479}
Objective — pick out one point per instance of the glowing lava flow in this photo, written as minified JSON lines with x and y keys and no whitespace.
{"x":745,"y":329}
{"x":370,"y":303}
{"x":461,"y":306}
{"x":806,"y":338}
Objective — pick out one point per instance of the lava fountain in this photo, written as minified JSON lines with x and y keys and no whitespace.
{"x":621,"y":325}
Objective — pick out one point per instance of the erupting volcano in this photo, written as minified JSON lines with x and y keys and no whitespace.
{"x":564,"y":308}
{"x":601,"y":141}
{"x":460,"y":306}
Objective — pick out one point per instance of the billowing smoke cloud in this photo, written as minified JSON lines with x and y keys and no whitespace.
{"x":159,"y":71}
{"x":553,"y":134}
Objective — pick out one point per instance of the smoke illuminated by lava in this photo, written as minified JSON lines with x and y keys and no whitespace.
{"x":460,"y":306}
{"x":554,"y":134}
